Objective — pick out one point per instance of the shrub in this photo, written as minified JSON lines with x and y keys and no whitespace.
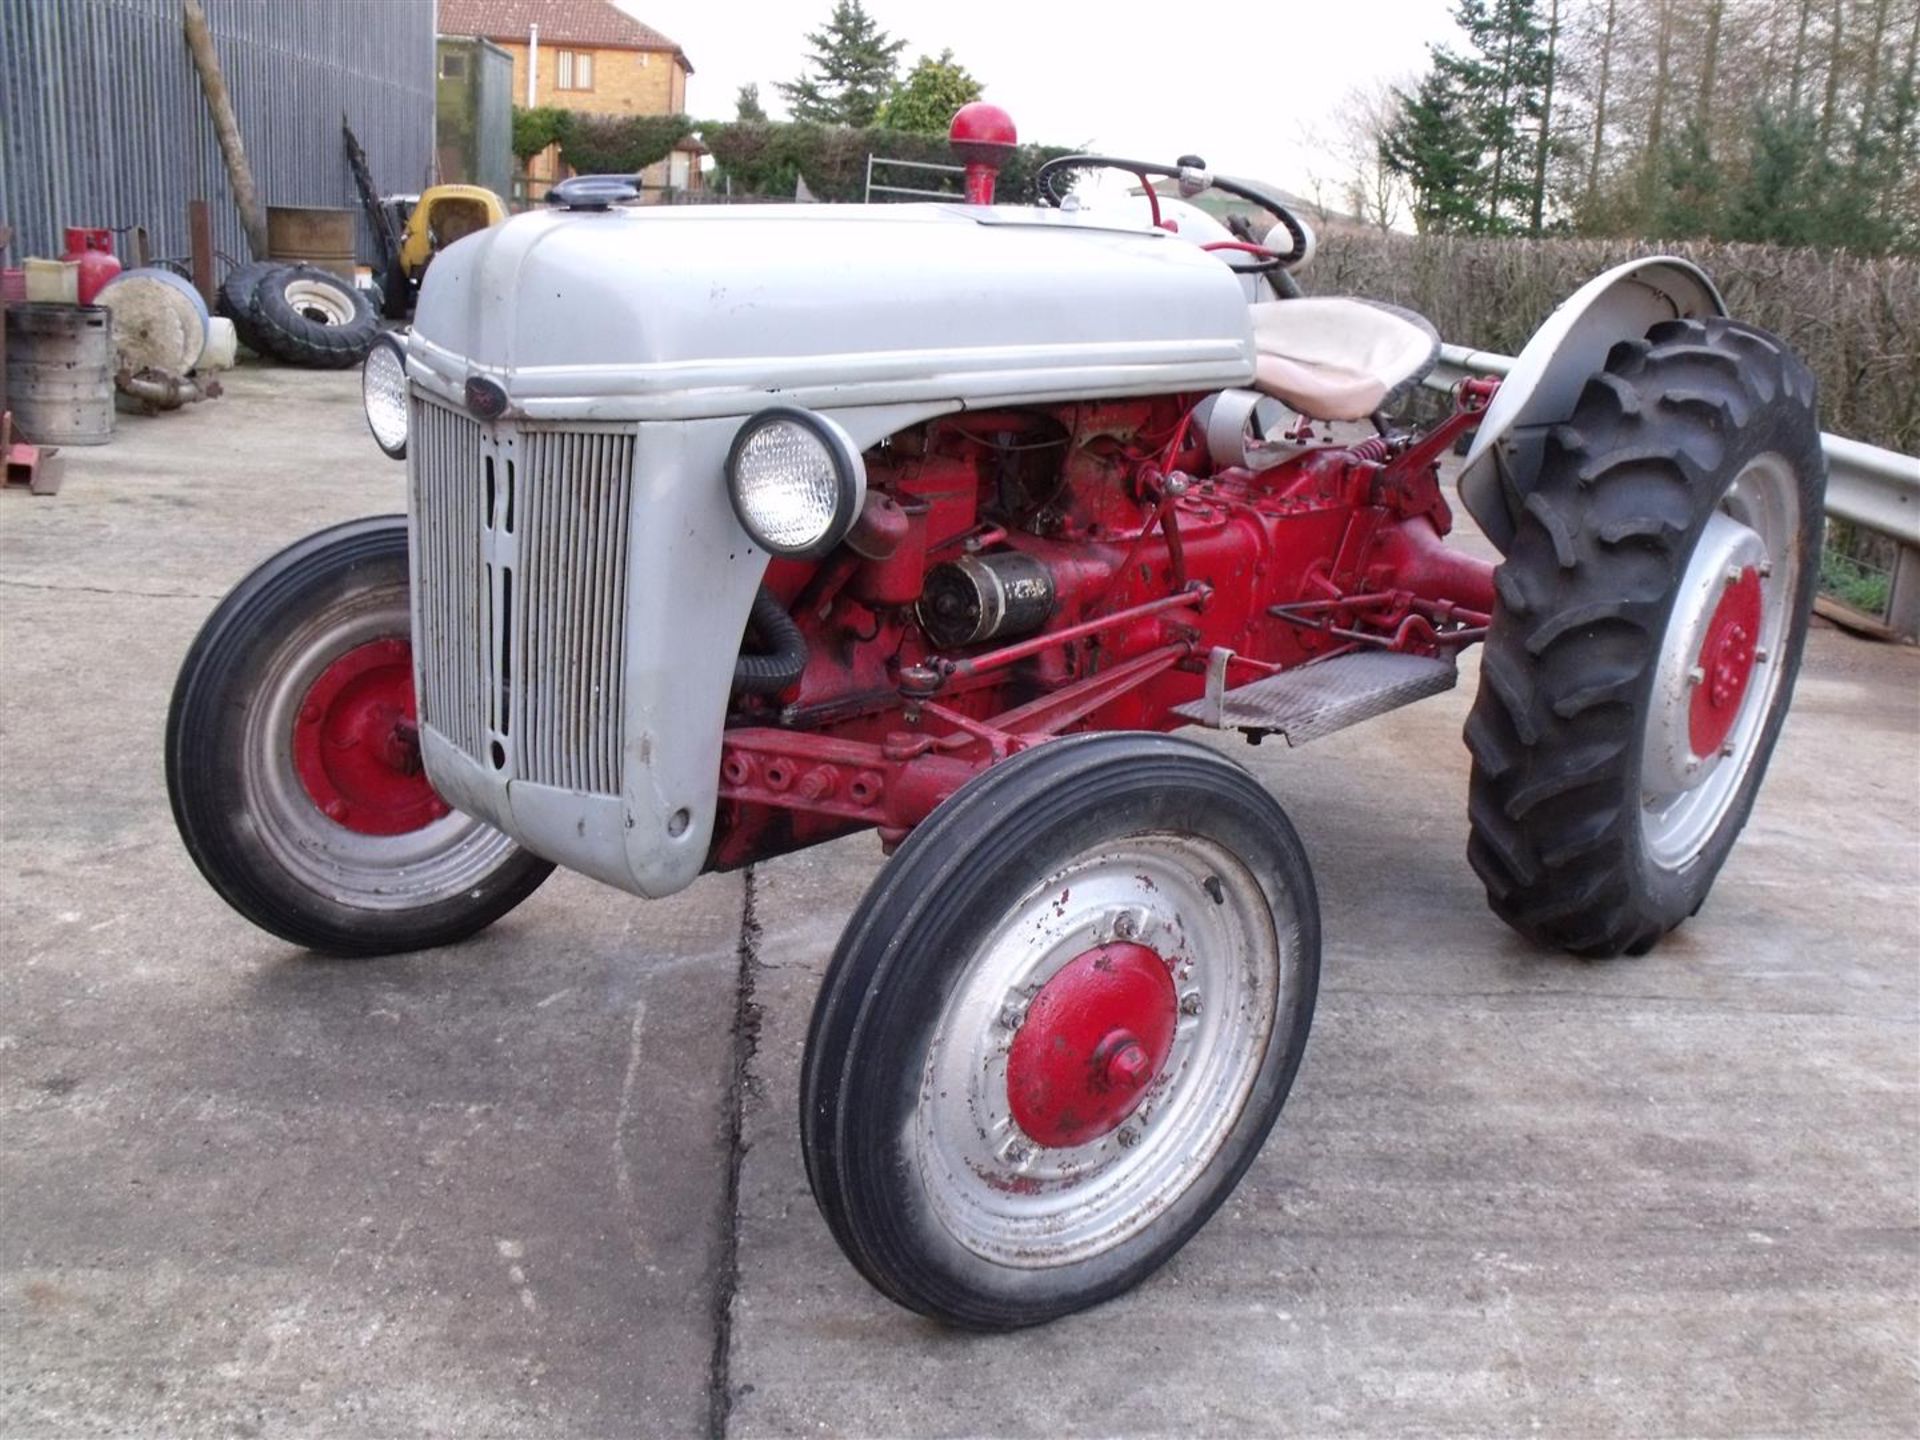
{"x":1855,"y":320}
{"x":764,"y":158}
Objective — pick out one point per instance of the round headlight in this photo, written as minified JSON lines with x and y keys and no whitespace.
{"x":383,"y":390}
{"x":796,"y":481}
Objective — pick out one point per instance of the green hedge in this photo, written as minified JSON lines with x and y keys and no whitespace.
{"x":758,"y":158}
{"x":1855,"y":320}
{"x":598,"y":144}
{"x":766,"y":158}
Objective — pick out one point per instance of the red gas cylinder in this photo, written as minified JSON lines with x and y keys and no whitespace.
{"x":93,"y":250}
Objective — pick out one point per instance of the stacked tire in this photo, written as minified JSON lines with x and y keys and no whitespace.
{"x":300,"y":314}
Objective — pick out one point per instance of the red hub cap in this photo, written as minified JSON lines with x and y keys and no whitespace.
{"x":1091,"y":1043}
{"x":1725,"y":664}
{"x":356,"y":743}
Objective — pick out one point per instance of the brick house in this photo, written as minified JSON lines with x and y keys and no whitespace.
{"x":585,"y":55}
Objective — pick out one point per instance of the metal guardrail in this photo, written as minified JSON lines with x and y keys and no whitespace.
{"x":1868,"y":486}
{"x":874,"y":187}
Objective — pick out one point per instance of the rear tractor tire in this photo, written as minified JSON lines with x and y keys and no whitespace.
{"x":309,"y":316}
{"x":1058,"y":1028}
{"x":1647,"y":629}
{"x":235,"y":301}
{"x":294,"y":769}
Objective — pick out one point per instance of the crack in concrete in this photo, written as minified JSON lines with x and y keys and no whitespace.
{"x":113,"y":590}
{"x":746,"y":1040}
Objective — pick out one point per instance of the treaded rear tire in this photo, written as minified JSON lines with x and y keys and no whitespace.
{"x":291,"y":335}
{"x":235,"y":300}
{"x":1560,"y":726}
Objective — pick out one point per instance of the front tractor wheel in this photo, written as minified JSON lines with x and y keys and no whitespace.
{"x":1058,"y":1028}
{"x":1647,"y":630}
{"x":293,"y":761}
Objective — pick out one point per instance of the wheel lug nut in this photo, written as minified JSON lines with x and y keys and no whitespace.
{"x":1190,"y":1004}
{"x":1696,"y":675}
{"x":310,"y":713}
{"x":1130,"y":1068}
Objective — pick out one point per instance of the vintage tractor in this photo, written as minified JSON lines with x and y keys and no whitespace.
{"x":733,"y":530}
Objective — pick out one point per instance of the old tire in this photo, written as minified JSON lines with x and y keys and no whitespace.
{"x":287,"y":764}
{"x":1647,"y":629}
{"x":235,"y":300}
{"x":309,"y":316}
{"x":1139,"y":885}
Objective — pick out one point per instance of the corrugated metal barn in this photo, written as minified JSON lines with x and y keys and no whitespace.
{"x":103,"y":122}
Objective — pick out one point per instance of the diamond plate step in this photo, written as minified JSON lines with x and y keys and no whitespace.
{"x":1326,"y":696}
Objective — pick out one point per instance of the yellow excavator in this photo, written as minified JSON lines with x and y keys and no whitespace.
{"x":429,"y":223}
{"x":409,"y":230}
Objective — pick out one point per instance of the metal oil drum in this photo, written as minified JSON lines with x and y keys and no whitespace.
{"x":60,"y":373}
{"x":313,"y":233}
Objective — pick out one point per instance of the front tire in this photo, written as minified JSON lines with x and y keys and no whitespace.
{"x":293,"y":768}
{"x":1647,"y":629}
{"x":1059,"y":1028}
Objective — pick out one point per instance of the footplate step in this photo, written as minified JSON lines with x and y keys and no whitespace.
{"x":1320,"y":698}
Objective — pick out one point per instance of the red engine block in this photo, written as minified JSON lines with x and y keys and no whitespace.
{"x":1157,"y":562}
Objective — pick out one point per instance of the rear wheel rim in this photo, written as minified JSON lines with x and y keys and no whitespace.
{"x":445,"y":857}
{"x":1199,"y":911}
{"x":321,"y":303}
{"x":1717,"y":682}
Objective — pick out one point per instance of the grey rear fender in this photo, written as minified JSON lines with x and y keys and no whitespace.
{"x":1564,"y":353}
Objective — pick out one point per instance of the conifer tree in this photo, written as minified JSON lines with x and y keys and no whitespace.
{"x":850,"y":73}
{"x":1430,"y":145}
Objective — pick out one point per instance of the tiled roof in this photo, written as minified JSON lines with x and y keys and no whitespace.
{"x":596,"y":23}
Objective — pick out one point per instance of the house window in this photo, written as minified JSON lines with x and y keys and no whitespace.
{"x":576,"y":70}
{"x":453,"y":66}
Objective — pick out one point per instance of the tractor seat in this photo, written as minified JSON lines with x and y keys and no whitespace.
{"x":1339,"y":359}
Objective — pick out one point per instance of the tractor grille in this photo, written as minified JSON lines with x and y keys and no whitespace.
{"x":520,"y":568}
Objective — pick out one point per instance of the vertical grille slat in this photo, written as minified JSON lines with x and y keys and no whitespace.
{"x":523,"y":619}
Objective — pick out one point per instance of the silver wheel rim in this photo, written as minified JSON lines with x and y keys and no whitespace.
{"x":1014,"y":1202}
{"x":388,"y":873}
{"x":1684,"y":797}
{"x":319,"y":302}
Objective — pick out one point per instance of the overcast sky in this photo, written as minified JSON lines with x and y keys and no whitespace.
{"x":1238,"y":85}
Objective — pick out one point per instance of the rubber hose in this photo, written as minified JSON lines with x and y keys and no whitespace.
{"x":774,"y":671}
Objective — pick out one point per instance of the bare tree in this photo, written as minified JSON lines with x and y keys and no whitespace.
{"x":1599,"y":149}
{"x":1545,"y":144}
{"x":1349,"y":145}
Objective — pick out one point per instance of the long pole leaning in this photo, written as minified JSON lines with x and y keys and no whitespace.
{"x":253,"y":218}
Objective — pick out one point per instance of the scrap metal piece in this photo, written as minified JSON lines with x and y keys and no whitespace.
{"x":1326,"y":696}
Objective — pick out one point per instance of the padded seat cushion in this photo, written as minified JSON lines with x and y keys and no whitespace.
{"x":1337,"y":358}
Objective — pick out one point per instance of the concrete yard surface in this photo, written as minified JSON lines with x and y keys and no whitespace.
{"x":548,"y":1182}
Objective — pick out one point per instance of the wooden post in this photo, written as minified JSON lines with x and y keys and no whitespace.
{"x":6,"y":440}
{"x":200,"y":229}
{"x":253,"y":218}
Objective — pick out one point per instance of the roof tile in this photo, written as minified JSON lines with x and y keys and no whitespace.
{"x":596,"y":23}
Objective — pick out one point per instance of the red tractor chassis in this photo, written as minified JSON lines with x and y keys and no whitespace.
{"x":1160,"y":564}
